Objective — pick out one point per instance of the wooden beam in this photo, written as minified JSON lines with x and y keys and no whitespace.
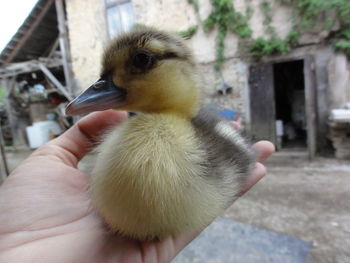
{"x":29,"y":32}
{"x":64,"y":46}
{"x":14,"y":69}
{"x":55,"y":81}
{"x":53,"y":49}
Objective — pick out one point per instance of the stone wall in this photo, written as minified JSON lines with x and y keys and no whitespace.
{"x":339,"y":76}
{"x":235,"y":75}
{"x":88,"y":35}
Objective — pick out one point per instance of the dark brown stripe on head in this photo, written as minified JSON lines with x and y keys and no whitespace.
{"x":139,"y":39}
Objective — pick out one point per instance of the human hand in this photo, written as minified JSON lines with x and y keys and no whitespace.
{"x":46,"y":213}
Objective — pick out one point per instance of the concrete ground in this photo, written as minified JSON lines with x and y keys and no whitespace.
{"x":307,"y":200}
{"x":14,"y":157}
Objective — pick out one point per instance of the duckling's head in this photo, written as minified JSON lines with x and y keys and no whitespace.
{"x":144,"y":71}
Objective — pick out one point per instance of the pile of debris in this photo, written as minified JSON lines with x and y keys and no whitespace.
{"x":340,"y":131}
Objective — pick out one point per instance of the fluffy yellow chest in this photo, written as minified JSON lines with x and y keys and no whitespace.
{"x":148,"y":179}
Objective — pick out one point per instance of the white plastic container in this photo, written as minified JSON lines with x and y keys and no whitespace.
{"x":41,"y":132}
{"x":340,"y":115}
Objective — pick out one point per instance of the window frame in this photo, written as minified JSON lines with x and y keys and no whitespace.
{"x":115,"y":3}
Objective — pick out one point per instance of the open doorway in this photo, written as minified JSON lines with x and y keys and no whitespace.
{"x":284,"y":91}
{"x":290,"y":110}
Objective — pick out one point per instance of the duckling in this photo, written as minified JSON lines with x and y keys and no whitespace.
{"x":174,"y":166}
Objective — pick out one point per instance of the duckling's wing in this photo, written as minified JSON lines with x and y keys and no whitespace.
{"x":228,"y":157}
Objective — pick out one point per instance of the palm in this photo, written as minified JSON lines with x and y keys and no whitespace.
{"x":46,"y":210}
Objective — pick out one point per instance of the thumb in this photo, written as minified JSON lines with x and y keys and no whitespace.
{"x":76,"y":142}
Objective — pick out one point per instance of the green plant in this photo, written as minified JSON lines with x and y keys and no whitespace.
{"x":327,"y":15}
{"x":293,"y":38}
{"x":260,"y":47}
{"x":267,"y":10}
{"x":195,"y":4}
{"x":249,"y":10}
{"x":225,"y":18}
{"x":187,"y":34}
{"x":306,"y":15}
{"x":2,"y":95}
{"x":343,"y":46}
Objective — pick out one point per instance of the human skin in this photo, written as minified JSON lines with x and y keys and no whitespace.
{"x":46,"y":213}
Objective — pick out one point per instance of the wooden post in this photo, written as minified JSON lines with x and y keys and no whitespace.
{"x":9,"y":84}
{"x":64,"y":46}
{"x":3,"y":171}
{"x":310,"y":104}
{"x":3,"y":157}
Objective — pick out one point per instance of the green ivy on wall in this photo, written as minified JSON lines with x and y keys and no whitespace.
{"x":325,"y":15}
{"x":343,"y":46}
{"x":328,"y":14}
{"x":260,"y":46}
{"x":2,"y":96}
{"x":225,"y":17}
{"x":187,"y":34}
{"x":267,"y":10}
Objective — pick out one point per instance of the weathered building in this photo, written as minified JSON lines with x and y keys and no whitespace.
{"x":296,"y":89}
{"x":35,"y":70}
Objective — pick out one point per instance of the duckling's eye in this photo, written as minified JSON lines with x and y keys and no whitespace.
{"x":142,"y":61}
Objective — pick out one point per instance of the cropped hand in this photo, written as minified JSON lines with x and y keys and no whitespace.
{"x":46,"y":213}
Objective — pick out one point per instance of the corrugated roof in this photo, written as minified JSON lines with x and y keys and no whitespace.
{"x":35,"y":36}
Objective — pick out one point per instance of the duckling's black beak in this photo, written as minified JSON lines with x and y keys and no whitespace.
{"x":101,"y":95}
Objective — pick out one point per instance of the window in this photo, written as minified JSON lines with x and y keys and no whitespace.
{"x":120,"y":16}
